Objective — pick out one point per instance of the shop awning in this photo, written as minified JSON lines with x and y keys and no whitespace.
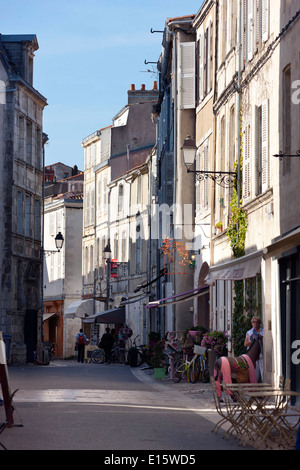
{"x":115,"y":315}
{"x":81,"y":308}
{"x":182,"y":297}
{"x":240,"y":268}
{"x":284,"y":243}
{"x":46,"y":316}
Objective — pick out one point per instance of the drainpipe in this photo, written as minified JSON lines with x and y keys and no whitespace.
{"x":175,"y":143}
{"x":44,"y":141}
{"x":239,"y":102}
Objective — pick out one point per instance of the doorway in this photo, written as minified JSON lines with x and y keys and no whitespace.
{"x":289,"y":271}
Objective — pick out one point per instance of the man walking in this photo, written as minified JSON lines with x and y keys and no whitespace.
{"x":80,"y":343}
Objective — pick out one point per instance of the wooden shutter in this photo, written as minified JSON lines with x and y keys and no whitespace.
{"x":201,"y":67}
{"x":205,"y":182}
{"x":246,"y":164}
{"x":264,"y":144}
{"x":187,"y":75}
{"x":265,"y":20}
{"x":250,"y":29}
{"x":198,"y":168}
{"x":169,"y":178}
{"x":208,"y":55}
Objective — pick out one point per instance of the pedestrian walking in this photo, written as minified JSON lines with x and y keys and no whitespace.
{"x":80,"y":344}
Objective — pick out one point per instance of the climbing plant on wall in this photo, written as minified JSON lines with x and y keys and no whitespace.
{"x":236,"y":233}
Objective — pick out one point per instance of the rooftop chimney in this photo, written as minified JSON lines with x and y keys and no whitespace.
{"x":154,"y":87}
{"x":132,"y":87}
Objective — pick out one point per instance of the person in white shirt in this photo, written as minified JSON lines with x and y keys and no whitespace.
{"x":256,"y":332}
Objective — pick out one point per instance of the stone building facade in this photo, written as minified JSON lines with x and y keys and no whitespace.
{"x":21,"y":130}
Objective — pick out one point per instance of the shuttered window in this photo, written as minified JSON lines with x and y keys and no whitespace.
{"x":246,"y":176}
{"x":250,"y":29}
{"x":265,"y":19}
{"x":201,"y":67}
{"x":187,"y":75}
{"x":205,"y":182}
{"x":169,"y":178}
{"x":264,"y":144}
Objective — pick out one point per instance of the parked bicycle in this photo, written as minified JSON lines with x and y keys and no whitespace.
{"x":143,"y":353}
{"x":194,"y":369}
{"x":118,"y":354}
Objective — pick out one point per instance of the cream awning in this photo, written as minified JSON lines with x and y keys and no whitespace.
{"x":81,"y":308}
{"x":240,"y":268}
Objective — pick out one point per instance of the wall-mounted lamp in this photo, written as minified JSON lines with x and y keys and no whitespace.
{"x":222,"y":178}
{"x":59,"y":241}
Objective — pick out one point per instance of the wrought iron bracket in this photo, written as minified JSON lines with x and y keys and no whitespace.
{"x":281,"y":154}
{"x":226,"y":179}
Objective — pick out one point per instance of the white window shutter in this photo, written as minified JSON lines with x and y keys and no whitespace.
{"x":201,"y":67}
{"x":198,"y":168}
{"x":187,"y":75}
{"x":205,"y":182}
{"x":265,"y":20}
{"x":264,"y":144}
{"x":208,"y":60}
{"x":246,"y":163}
{"x":250,"y":29}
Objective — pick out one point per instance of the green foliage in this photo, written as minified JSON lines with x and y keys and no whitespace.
{"x":237,"y":227}
{"x":239,"y":322}
{"x":236,"y":233}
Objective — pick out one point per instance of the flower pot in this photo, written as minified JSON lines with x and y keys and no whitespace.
{"x":193,"y":333}
{"x":159,"y":372}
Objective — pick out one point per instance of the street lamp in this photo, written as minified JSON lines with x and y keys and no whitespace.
{"x":107,"y":252}
{"x":59,"y":241}
{"x":222,"y":178}
{"x":107,"y":256}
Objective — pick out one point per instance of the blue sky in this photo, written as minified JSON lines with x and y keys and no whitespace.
{"x":89,"y":53}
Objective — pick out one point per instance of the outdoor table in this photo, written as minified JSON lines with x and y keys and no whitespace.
{"x":261,"y":415}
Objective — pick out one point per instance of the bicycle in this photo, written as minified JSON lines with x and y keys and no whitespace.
{"x":98,"y":356}
{"x":199,"y":367}
{"x":118,"y":353}
{"x":192,"y":368}
{"x":144,"y":354}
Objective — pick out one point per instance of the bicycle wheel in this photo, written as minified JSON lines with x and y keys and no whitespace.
{"x":179,"y":369}
{"x":98,"y":356}
{"x":121,"y":355}
{"x":140,"y":358}
{"x":194,"y":370}
{"x":205,"y":376}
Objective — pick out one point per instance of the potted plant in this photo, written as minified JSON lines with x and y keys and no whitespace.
{"x":216,"y":343}
{"x":219,"y":226}
{"x":197,"y":333}
{"x":157,"y":361}
{"x":242,"y":371}
{"x":154,"y":337}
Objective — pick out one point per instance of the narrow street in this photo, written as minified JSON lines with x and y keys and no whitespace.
{"x":71,"y":406}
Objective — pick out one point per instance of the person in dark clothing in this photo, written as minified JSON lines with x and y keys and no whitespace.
{"x":106,"y":343}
